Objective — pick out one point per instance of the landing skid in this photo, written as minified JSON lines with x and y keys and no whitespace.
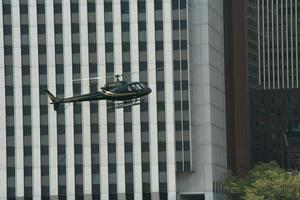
{"x":123,"y":104}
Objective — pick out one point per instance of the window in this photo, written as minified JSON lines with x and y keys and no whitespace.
{"x":23,"y":8}
{"x":40,"y":8}
{"x":24,"y":29}
{"x":138,"y":86}
{"x":57,"y":8}
{"x":107,"y":6}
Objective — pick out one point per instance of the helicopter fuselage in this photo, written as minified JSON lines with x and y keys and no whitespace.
{"x":114,"y":91}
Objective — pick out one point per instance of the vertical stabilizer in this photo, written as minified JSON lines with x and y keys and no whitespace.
{"x":55,"y":101}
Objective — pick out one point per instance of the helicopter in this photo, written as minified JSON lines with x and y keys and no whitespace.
{"x":121,"y":93}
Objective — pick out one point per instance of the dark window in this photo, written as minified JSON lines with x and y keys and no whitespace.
{"x":42,"y":49}
{"x":142,"y":26}
{"x":175,"y":24}
{"x":183,"y":24}
{"x":24,"y":29}
{"x":158,"y":25}
{"x":109,"y":47}
{"x":92,"y":27}
{"x":40,"y":8}
{"x":74,"y":8}
{"x":125,"y":26}
{"x":6,"y":9}
{"x":75,"y":48}
{"x":23,"y":8}
{"x":58,"y":48}
{"x":25,"y":49}
{"x":57,"y":8}
{"x":58,"y":28}
{"x":111,"y":168}
{"x":108,"y":27}
{"x":92,"y":47}
{"x":125,"y":46}
{"x":8,"y":50}
{"x":142,"y":46}
{"x":124,"y":7}
{"x":174,"y":4}
{"x":141,"y":7}
{"x":41,"y":28}
{"x":157,"y":5}
{"x":107,"y":6}
{"x":159,"y":45}
{"x":75,"y":28}
{"x":182,"y":4}
{"x":91,"y":7}
{"x":7,"y":29}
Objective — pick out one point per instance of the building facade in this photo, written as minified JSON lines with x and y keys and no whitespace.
{"x":252,"y":44}
{"x":278,"y":43}
{"x":292,"y":149}
{"x":171,"y":146}
{"x":276,"y":65}
{"x":275,"y":113}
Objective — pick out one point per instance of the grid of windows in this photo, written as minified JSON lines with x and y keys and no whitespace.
{"x":128,"y":148}
{"x":42,"y":62}
{"x":9,"y":99}
{"x":59,"y":70}
{"x":27,"y":136}
{"x":160,"y":95}
{"x":181,"y":95}
{"x":181,"y":87}
{"x":111,"y":129}
{"x":276,"y":112}
{"x":278,"y":44}
{"x":94,"y":105}
{"x":142,"y":36}
{"x":77,"y":108}
{"x":252,"y":44}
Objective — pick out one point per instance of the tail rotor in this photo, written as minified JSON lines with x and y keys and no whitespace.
{"x":55,"y":101}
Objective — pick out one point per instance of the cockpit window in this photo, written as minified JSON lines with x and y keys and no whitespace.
{"x":138,"y":86}
{"x":142,"y":86}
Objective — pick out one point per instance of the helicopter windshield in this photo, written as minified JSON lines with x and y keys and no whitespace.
{"x":142,"y":85}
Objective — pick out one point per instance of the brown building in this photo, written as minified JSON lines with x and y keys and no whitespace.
{"x":236,"y":70}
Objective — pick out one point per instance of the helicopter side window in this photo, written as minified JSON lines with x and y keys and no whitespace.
{"x":134,"y":86}
{"x":138,"y":86}
{"x":142,"y":86}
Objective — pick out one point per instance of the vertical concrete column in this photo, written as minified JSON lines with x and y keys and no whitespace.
{"x":51,"y":82}
{"x":104,"y":190}
{"x":35,"y":101}
{"x":18,"y":104}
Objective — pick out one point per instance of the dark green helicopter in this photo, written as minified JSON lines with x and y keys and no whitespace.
{"x":121,"y":93}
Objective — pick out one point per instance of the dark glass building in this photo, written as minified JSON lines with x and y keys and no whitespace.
{"x":274,"y":114}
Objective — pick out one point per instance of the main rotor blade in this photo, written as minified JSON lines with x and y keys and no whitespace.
{"x":86,"y":79}
{"x":115,"y":75}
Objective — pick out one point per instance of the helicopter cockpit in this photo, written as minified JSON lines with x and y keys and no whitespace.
{"x":135,"y":86}
{"x":111,"y":85}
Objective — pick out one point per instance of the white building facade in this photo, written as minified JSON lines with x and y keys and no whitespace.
{"x":171,"y":146}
